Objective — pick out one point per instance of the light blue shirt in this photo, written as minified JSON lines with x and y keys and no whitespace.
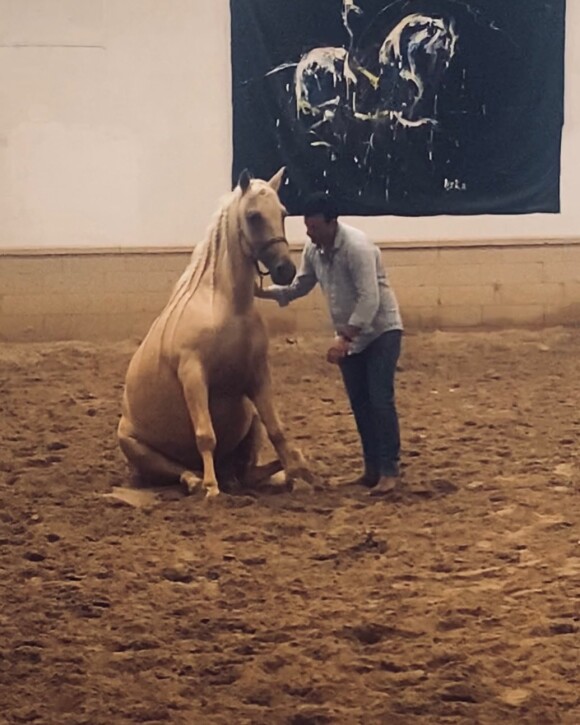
{"x":355,"y":284}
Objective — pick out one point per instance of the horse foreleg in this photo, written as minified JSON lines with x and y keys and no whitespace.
{"x":196,"y":396}
{"x":290,"y":456}
{"x":149,"y":463}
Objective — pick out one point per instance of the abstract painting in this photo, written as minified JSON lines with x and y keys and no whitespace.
{"x":407,"y":107}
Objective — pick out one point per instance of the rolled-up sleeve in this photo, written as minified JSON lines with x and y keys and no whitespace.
{"x":303,"y":283}
{"x":363,"y":269}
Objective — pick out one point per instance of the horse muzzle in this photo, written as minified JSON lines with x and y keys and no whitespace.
{"x":275,"y":255}
{"x":283,"y":272}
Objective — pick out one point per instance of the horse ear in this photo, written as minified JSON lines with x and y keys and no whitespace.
{"x":244,"y":180}
{"x":276,"y":180}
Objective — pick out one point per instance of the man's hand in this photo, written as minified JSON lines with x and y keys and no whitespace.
{"x":338,"y":350}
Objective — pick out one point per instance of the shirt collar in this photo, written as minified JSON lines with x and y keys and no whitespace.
{"x":338,"y":242}
{"x":339,"y":238}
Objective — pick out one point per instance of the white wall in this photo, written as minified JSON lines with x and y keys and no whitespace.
{"x":114,"y":121}
{"x":115,"y":129}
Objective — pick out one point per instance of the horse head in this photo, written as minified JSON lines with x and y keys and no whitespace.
{"x":261,"y":218}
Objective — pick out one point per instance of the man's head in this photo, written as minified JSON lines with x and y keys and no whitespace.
{"x":321,"y":219}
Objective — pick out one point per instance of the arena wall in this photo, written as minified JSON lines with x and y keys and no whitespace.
{"x":117,"y":294}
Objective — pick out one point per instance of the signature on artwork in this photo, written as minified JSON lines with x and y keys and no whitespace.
{"x":454,"y":185}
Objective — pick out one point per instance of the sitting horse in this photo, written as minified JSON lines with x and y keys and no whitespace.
{"x":198,"y":387}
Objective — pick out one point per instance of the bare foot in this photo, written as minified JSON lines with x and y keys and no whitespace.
{"x":385,"y":486}
{"x":299,"y":484}
{"x":300,"y":472}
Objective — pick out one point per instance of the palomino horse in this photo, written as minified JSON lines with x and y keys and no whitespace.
{"x":199,"y":384}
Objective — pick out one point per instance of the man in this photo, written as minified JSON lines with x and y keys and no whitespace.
{"x":368,"y":330}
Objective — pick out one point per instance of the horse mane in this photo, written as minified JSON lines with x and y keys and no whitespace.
{"x":203,"y":261}
{"x":204,"y":254}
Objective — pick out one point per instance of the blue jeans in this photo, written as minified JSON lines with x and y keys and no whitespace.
{"x":369,"y":379}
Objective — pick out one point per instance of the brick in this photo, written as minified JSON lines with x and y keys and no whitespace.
{"x":86,"y":282}
{"x":34,"y":266}
{"x":14,"y":284}
{"x":568,"y":314}
{"x":562,"y":272}
{"x":85,"y":265}
{"x":23,"y":304}
{"x":130,"y":282}
{"x":118,"y":327}
{"x":409,"y":257}
{"x":531,"y":272}
{"x":571,"y":292}
{"x":170,"y":263}
{"x":530,"y":294}
{"x":415,"y":296}
{"x":67,"y":327}
{"x":21,"y":327}
{"x":460,"y":316}
{"x":104,"y":303}
{"x":95,"y":326}
{"x":506,"y":315}
{"x":73,"y":303}
{"x":570,"y":252}
{"x":149,"y":302}
{"x":155,"y":281}
{"x":525,"y":255}
{"x":420,"y":317}
{"x":470,"y":256}
{"x":452,"y":275}
{"x":414,"y":276}
{"x":137,"y":325}
{"x":467,"y":295}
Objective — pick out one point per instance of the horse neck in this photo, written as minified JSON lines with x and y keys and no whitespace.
{"x":233,"y":271}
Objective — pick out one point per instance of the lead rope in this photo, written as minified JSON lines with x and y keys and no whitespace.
{"x":269,"y":243}
{"x":261,"y":274}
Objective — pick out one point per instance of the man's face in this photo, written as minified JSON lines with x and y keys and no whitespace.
{"x":319,"y":230}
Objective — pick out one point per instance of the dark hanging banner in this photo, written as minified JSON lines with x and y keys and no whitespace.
{"x":407,"y":107}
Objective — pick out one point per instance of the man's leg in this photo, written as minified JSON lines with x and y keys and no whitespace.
{"x":354,"y":375}
{"x":382,"y":357}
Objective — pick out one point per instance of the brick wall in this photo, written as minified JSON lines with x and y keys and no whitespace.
{"x":498,"y":286}
{"x":116,"y":294}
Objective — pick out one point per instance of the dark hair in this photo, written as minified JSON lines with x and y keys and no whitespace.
{"x":321,"y":203}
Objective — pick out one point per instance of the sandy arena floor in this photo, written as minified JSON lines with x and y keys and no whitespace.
{"x":456,"y":603}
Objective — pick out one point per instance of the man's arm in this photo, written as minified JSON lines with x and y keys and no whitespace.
{"x":303,"y":283}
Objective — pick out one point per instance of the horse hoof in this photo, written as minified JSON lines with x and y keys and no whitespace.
{"x":190,"y":482}
{"x":211,"y":493}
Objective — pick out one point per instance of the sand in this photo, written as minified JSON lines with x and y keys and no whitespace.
{"x":455,"y":602}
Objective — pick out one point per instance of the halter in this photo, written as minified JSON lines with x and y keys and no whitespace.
{"x":263,"y":248}
{"x":254,"y":257}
